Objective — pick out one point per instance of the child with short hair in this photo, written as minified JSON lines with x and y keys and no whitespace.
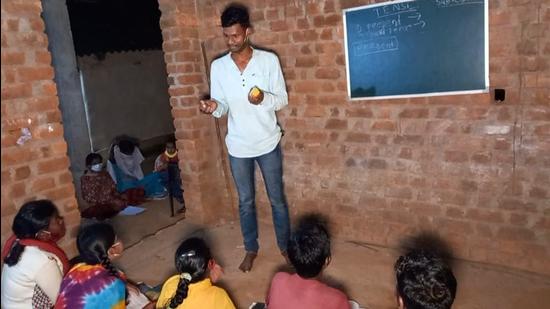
{"x":309,"y":253}
{"x":424,"y":281}
{"x":192,"y":287}
{"x":167,"y":165}
{"x":124,"y":166}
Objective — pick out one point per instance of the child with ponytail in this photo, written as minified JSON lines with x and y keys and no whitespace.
{"x":33,"y":263}
{"x":192,"y":288}
{"x":95,"y":282}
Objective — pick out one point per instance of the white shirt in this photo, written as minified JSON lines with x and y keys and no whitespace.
{"x":252,"y":129}
{"x":35,"y":267}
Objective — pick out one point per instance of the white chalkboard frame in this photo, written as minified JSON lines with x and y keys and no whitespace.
{"x":427,"y":94}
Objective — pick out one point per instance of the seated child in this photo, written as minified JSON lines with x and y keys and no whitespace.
{"x":124,"y":166}
{"x":99,"y":191}
{"x":309,"y":253}
{"x":167,"y":165}
{"x":424,"y":281}
{"x":94,"y":282}
{"x":192,"y":287}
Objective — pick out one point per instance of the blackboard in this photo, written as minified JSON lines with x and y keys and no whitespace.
{"x":416,"y":48}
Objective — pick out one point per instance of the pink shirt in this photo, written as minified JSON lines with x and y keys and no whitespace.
{"x":292,"y":291}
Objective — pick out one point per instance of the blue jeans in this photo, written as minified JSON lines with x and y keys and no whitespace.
{"x":271,"y":166}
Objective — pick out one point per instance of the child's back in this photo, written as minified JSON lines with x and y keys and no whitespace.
{"x":309,"y":253}
{"x":201,"y":295}
{"x":292,"y":291}
{"x":191,"y":288}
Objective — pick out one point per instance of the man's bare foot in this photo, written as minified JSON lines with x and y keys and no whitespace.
{"x":248,"y":261}
{"x":287,"y":260}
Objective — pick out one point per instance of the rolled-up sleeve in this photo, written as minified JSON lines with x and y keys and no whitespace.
{"x":216,"y":91}
{"x":276,"y":98}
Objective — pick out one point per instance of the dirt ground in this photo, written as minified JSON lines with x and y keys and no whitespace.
{"x":364,"y":272}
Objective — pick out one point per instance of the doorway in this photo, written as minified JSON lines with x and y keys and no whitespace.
{"x":112,"y":80}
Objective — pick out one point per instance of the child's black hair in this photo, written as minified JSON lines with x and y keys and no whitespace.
{"x":125,"y":143}
{"x":31,"y":218}
{"x":191,"y":259}
{"x":309,"y":246}
{"x":425,"y":281}
{"x":90,"y":158}
{"x":93,"y":242}
{"x":126,"y":147}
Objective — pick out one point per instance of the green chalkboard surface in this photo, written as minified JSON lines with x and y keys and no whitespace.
{"x":417,"y":48}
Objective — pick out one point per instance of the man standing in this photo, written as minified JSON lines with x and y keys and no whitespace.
{"x":248,"y":84}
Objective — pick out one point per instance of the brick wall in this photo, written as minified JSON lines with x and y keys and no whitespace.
{"x":39,"y":167}
{"x":475,"y":171}
{"x":207,"y":187}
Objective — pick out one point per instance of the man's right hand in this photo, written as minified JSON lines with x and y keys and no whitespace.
{"x":208,"y":106}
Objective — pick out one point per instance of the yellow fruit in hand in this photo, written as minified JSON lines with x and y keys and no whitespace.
{"x":255,"y":92}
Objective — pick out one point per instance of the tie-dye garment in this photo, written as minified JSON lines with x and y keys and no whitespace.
{"x":91,"y":286}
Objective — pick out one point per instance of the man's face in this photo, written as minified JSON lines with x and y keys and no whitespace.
{"x":236,"y":37}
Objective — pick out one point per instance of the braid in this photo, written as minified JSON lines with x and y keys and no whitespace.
{"x":181,"y":293}
{"x":105,"y":262}
{"x":15,"y":253}
{"x":191,"y":259}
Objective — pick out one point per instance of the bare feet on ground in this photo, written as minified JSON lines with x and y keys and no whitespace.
{"x":287,"y":260}
{"x":248,"y":261}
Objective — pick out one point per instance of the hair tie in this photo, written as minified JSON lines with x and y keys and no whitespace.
{"x":186,"y":276}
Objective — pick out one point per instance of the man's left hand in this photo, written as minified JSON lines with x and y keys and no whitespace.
{"x":257,"y":99}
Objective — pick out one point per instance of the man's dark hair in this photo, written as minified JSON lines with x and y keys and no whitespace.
{"x":309,"y":246}
{"x":235,"y":13}
{"x":425,"y":281}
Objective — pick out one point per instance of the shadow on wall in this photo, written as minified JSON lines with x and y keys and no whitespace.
{"x":430,"y":242}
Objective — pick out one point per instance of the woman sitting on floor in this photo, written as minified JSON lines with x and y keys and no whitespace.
{"x":99,"y":191}
{"x":33,"y":263}
{"x":124,"y":166}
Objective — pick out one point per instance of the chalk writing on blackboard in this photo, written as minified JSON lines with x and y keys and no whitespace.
{"x":392,"y":19}
{"x":378,"y":45}
{"x":394,"y":9}
{"x":414,"y":48}
{"x":450,"y":3}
